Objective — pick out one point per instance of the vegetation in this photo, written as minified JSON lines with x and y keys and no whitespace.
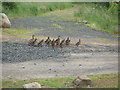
{"x":103,"y":80}
{"x":101,"y":16}
{"x":21,"y":32}
{"x":22,"y":9}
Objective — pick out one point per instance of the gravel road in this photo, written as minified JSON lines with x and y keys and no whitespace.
{"x":97,"y":54}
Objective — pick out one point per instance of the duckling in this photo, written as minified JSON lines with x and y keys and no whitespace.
{"x":31,"y":40}
{"x":40,"y":43}
{"x":78,"y":43}
{"x":33,"y":43}
{"x":53,"y":43}
{"x":57,"y":41}
{"x":48,"y":43}
{"x":47,"y":39}
{"x":62,"y":42}
{"x":67,"y":42}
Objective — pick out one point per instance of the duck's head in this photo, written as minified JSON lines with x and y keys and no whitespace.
{"x":33,"y":36}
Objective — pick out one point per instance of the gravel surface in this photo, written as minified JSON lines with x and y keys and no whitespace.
{"x":53,"y":28}
{"x":21,"y":61}
{"x":97,"y":54}
{"x":19,"y":52}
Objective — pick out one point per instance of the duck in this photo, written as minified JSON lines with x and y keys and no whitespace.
{"x":40,"y":43}
{"x":62,"y":42}
{"x":53,"y":43}
{"x":31,"y":40}
{"x":48,"y":42}
{"x":67,"y":42}
{"x":78,"y":43}
{"x":34,"y":41}
{"x":47,"y":39}
{"x":57,"y":41}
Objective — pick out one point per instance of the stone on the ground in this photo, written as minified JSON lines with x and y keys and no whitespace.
{"x":82,"y":81}
{"x":32,"y":85}
{"x":4,"y":21}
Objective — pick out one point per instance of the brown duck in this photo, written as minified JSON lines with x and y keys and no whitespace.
{"x":67,"y":42}
{"x":40,"y":43}
{"x":78,"y":43}
{"x":31,"y":40}
{"x":47,"y":39}
{"x":33,"y":43}
{"x":53,"y":43}
{"x":48,"y":42}
{"x":62,"y":42}
{"x":57,"y":41}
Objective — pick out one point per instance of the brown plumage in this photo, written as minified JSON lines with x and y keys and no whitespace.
{"x":40,"y":43}
{"x":57,"y":41}
{"x":62,"y":42}
{"x":47,"y":39}
{"x":53,"y":43}
{"x":48,"y":42}
{"x":67,"y":42}
{"x":33,"y":43}
{"x":31,"y":40}
{"x":78,"y":43}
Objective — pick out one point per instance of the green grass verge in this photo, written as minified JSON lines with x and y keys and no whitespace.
{"x":99,"y":17}
{"x":98,"y":81}
{"x":19,"y":32}
{"x":28,"y":9}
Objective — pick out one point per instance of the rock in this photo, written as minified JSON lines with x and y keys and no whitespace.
{"x":32,"y":85}
{"x":23,"y":67}
{"x":82,"y":81}
{"x":34,"y":63}
{"x":4,"y":21}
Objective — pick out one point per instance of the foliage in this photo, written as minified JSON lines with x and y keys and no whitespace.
{"x":103,"y":81}
{"x":100,"y":17}
{"x":26,"y":9}
{"x":9,"y":5}
{"x":19,"y":32}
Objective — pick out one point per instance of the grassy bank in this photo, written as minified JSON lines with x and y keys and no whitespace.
{"x":19,"y":32}
{"x":99,"y":17}
{"x":26,"y":9}
{"x":103,"y":80}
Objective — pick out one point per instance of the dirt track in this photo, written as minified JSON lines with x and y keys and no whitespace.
{"x":97,"y":54}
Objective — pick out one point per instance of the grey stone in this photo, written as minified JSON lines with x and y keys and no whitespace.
{"x":32,"y":85}
{"x":4,"y":21}
{"x":82,"y":81}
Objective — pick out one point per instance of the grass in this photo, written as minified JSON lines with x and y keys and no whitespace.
{"x":99,"y":17}
{"x":22,"y":33}
{"x":18,"y":32}
{"x":58,"y":26}
{"x":98,"y":81}
{"x":28,"y":9}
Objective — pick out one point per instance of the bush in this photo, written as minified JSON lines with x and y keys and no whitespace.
{"x":9,"y":5}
